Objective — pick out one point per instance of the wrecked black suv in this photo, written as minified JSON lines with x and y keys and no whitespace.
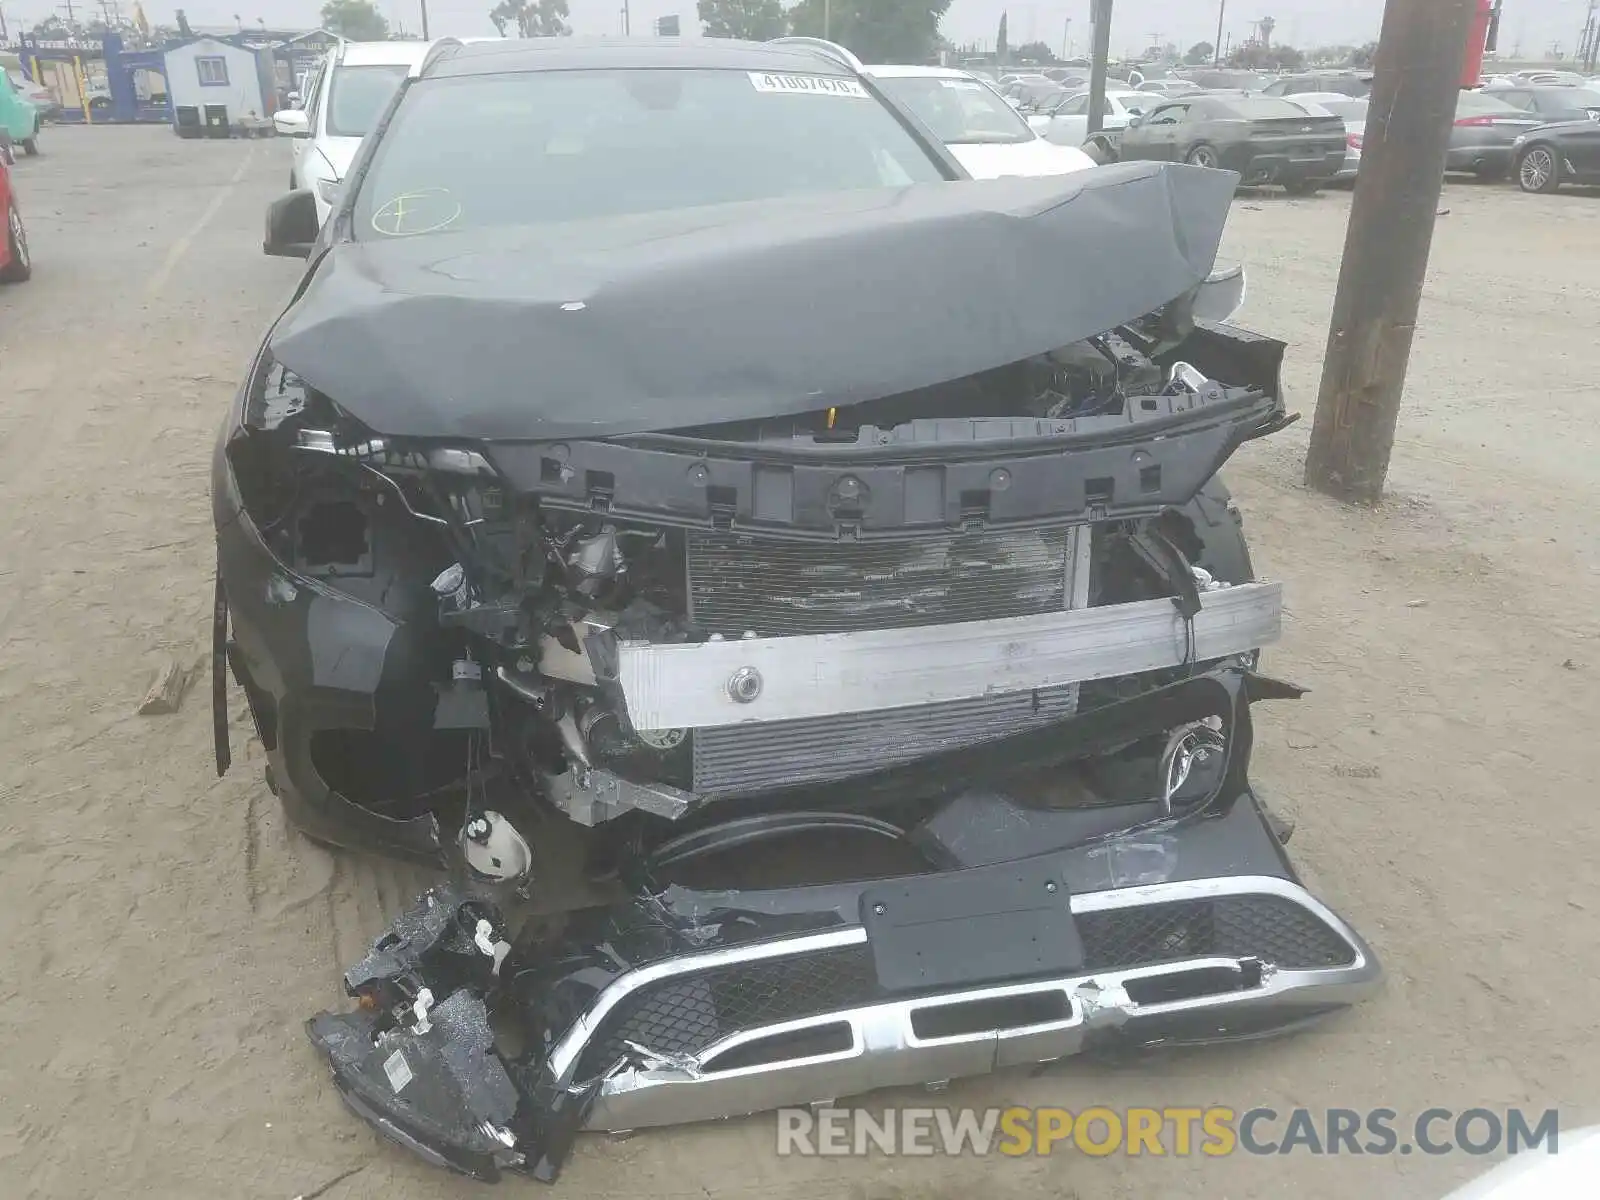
{"x":681,"y":504}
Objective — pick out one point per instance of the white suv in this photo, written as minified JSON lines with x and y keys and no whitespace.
{"x":987,"y":136}
{"x":344,"y":96}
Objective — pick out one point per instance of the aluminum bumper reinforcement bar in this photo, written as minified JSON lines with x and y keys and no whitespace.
{"x":718,"y":683}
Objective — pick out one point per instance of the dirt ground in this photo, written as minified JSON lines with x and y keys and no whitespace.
{"x":163,"y":936}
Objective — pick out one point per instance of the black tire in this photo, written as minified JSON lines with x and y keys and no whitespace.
{"x":1538,"y":168}
{"x":30,"y":144}
{"x":20,"y":268}
{"x":1202,"y":156}
{"x":1303,"y":187}
{"x":1488,"y":174}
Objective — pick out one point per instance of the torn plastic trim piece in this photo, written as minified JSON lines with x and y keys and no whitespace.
{"x":677,"y":686}
{"x":563,"y":1059}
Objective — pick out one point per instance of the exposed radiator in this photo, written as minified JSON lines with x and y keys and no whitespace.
{"x":777,"y":587}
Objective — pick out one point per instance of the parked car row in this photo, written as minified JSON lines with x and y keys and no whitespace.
{"x":1540,"y":134}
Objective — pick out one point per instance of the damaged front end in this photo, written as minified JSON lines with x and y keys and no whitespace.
{"x":955,"y":619}
{"x":1019,"y":927}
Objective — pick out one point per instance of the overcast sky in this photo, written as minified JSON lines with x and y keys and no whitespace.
{"x":1535,"y":24}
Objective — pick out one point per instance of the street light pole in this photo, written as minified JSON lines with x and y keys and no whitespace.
{"x":827,"y":20}
{"x":1216,"y":49}
{"x":424,"y":4}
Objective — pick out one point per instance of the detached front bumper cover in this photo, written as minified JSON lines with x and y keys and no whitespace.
{"x":1036,"y":934}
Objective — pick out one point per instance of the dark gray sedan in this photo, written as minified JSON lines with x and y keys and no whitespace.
{"x":1485,"y":128}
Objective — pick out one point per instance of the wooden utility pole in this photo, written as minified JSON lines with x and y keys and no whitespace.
{"x":424,"y":7}
{"x":1100,"y":14}
{"x":1416,"y":82}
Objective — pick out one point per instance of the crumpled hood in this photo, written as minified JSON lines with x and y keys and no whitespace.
{"x":746,"y":311}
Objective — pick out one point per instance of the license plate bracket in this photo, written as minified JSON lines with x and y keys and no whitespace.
{"x":987,"y":924}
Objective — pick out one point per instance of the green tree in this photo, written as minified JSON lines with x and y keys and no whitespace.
{"x":752,"y":20}
{"x":532,"y":18}
{"x":1036,"y":52}
{"x":357,"y":20}
{"x":1000,"y":46}
{"x":876,"y":31}
{"x":1200,"y":53}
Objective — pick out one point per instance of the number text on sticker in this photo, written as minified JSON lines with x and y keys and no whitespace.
{"x":819,"y":85}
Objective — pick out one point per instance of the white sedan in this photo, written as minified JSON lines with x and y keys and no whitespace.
{"x":345,"y":96}
{"x":1067,"y":121}
{"x":987,"y":136}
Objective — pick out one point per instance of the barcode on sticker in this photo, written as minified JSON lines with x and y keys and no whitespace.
{"x":964,"y":85}
{"x":820,"y":85}
{"x":398,"y":1070}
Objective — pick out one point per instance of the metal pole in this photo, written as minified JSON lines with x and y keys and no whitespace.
{"x":1065,"y":44}
{"x":1098,"y":63}
{"x":827,"y":20}
{"x":1222,"y":8}
{"x":424,"y":4}
{"x":1416,"y":81}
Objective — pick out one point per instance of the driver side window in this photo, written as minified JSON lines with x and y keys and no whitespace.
{"x":1170,"y":115}
{"x":1076,"y":107}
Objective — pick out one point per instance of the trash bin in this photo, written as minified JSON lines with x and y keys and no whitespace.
{"x":217,"y":121}
{"x":188,"y":121}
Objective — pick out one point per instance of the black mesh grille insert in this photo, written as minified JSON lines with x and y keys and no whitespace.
{"x":777,"y":587}
{"x":1270,"y":928}
{"x":688,"y":1014}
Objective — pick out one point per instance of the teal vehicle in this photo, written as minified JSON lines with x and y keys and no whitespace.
{"x":19,"y":118}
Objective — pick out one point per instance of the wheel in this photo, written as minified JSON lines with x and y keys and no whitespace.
{"x":1537,"y":170}
{"x":20,"y":268}
{"x":1303,"y":187}
{"x":1490,"y":174}
{"x":1202,"y":156}
{"x":30,"y":144}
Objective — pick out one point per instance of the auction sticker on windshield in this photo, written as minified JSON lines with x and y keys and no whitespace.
{"x":821,"y":85}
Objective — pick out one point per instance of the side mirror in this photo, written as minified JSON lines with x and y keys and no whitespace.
{"x":292,"y":122}
{"x":292,"y":225}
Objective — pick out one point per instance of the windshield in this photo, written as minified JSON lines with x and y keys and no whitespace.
{"x":532,"y":148}
{"x":959,"y":111}
{"x":357,"y":96}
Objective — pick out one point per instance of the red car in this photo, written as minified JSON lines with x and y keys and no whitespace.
{"x":15,"y":265}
